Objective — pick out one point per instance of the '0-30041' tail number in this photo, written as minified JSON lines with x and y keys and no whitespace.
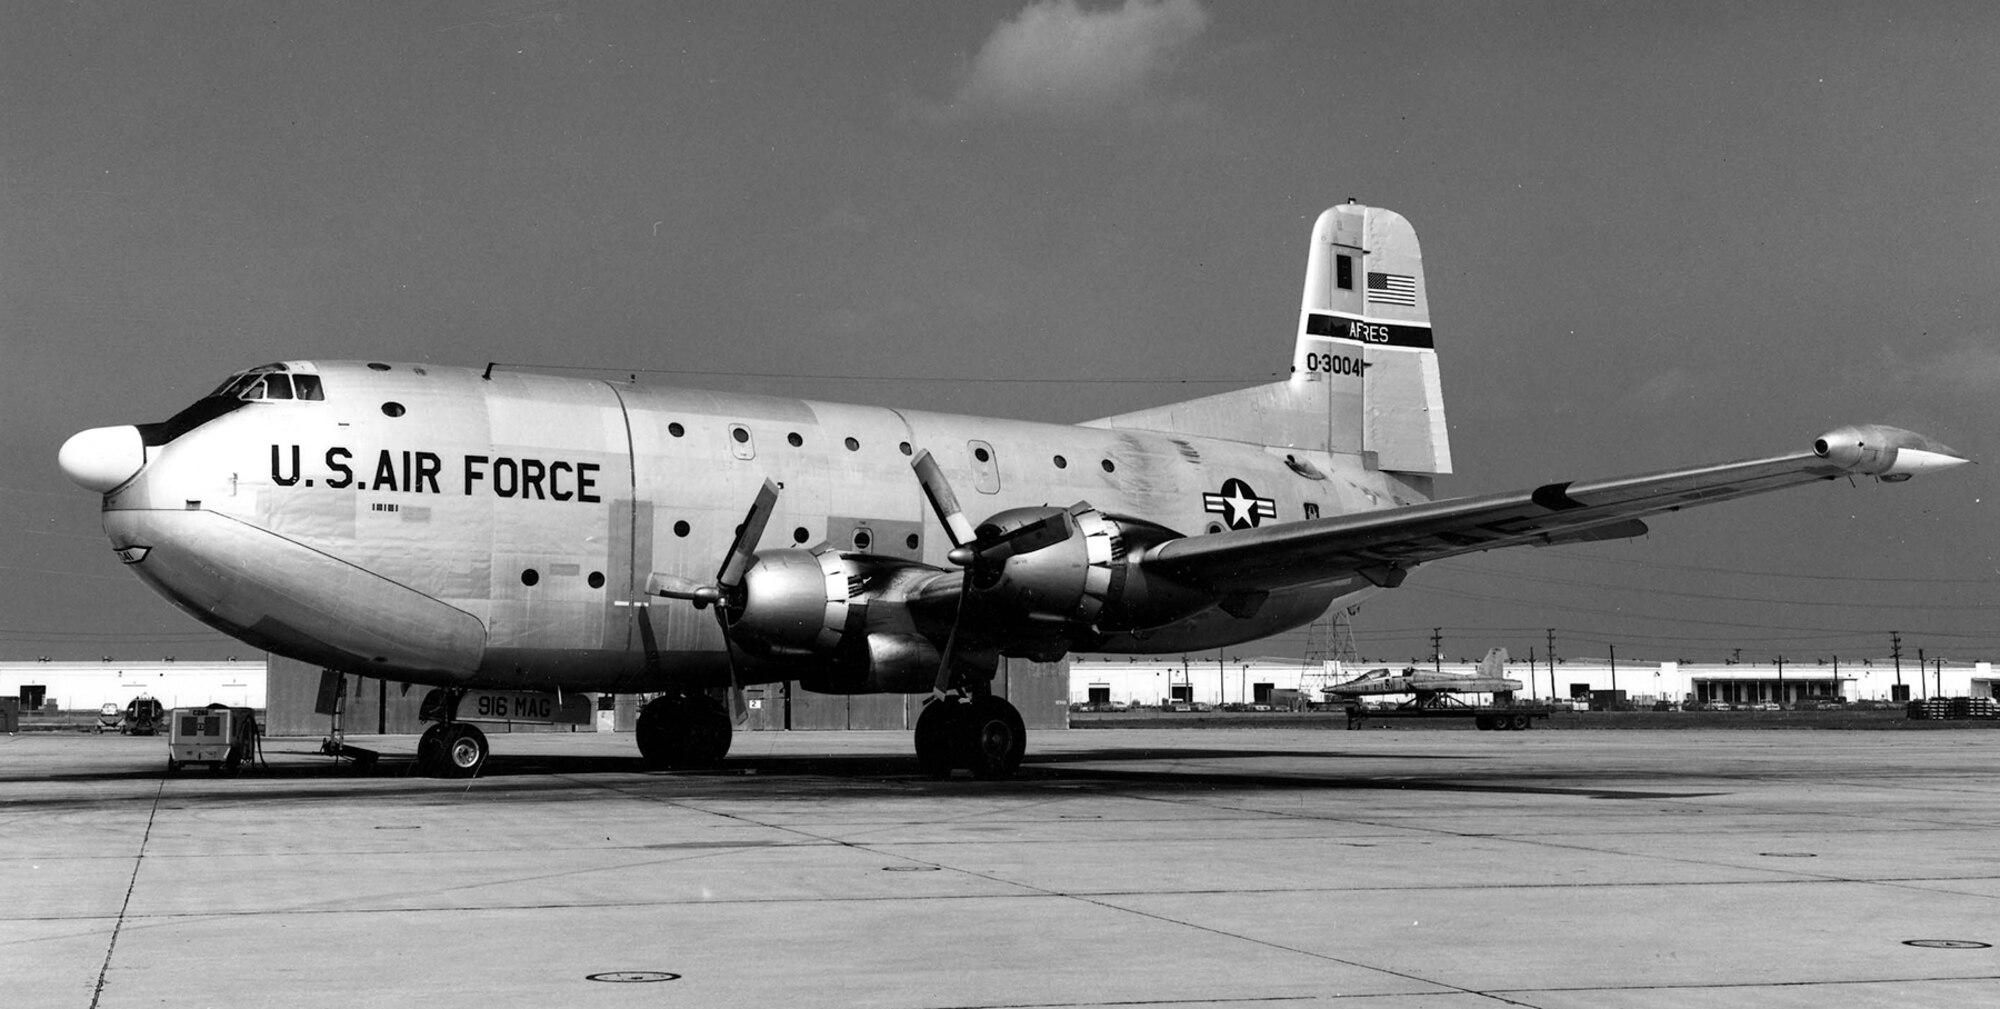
{"x":1335,"y":364}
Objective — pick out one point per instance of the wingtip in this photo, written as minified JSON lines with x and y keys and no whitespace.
{"x":1890,"y":453}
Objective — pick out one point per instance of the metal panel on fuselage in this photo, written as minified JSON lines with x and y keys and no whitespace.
{"x":552,"y":472}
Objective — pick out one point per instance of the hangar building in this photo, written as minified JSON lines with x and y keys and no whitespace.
{"x":1149,"y":681}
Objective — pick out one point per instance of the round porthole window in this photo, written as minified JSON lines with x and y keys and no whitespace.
{"x":676,"y":429}
{"x":794,"y":440}
{"x":530,"y":576}
{"x":1062,"y":463}
{"x":392,"y":409}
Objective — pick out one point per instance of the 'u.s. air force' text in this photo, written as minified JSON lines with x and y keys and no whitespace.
{"x":417,"y":472}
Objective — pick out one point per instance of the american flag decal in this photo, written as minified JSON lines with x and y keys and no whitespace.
{"x":1392,"y":289}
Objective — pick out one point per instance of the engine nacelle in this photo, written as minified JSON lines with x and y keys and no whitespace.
{"x":795,"y":603}
{"x":1088,"y":579}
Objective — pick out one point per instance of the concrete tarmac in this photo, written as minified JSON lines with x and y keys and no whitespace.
{"x":1123,"y":868}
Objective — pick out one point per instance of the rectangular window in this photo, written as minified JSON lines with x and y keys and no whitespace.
{"x":1343,"y":270}
{"x":308,"y":386}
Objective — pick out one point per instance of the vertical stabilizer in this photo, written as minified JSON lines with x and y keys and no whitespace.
{"x":1494,"y":664}
{"x":1364,"y":341}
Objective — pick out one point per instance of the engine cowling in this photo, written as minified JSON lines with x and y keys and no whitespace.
{"x":1088,"y":579}
{"x":809,"y":611}
{"x":794,"y":603}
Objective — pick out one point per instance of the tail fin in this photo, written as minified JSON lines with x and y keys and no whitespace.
{"x":1495,"y":663}
{"x":1364,"y":376}
{"x":1364,"y":339}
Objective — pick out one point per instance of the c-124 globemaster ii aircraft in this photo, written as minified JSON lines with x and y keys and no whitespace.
{"x":477,"y":530}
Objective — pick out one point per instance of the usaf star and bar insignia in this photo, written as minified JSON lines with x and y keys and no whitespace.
{"x":1239,"y":505}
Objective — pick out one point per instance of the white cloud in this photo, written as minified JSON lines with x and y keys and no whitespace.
{"x":1058,"y":61}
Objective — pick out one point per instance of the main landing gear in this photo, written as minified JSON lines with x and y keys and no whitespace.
{"x":450,"y":748}
{"x":681,"y":732}
{"x":981,"y":733}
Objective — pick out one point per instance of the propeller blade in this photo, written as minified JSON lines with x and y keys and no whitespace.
{"x":943,"y":501}
{"x":739,"y":709}
{"x":1044,"y":532}
{"x":743,"y":550}
{"x":943,"y":682}
{"x":677,"y":587}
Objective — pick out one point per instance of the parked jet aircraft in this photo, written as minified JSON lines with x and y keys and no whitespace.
{"x":494,"y":529}
{"x":1491,"y":678}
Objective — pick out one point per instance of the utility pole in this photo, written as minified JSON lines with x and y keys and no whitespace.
{"x":1531,"y":673}
{"x":1614,"y":666}
{"x":1781,"y":679}
{"x":1896,"y":652}
{"x":1552,"y":664}
{"x":1437,"y":649}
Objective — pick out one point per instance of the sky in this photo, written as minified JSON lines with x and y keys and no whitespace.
{"x":1654,"y":236}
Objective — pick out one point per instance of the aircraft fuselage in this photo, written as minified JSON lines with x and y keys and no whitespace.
{"x":441,"y":526}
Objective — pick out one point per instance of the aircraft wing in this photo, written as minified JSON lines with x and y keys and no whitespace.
{"x":1382,"y":545}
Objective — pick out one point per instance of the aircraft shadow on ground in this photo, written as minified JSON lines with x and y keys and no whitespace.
{"x":1110,"y":769}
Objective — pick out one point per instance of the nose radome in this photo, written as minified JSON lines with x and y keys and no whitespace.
{"x":102,"y":458}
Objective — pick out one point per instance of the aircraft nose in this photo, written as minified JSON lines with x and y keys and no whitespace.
{"x":102,"y":458}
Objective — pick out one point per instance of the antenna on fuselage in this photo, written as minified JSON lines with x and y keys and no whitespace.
{"x":487,"y":375}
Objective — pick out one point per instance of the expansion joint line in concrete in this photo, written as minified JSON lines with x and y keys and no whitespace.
{"x":117,"y":927}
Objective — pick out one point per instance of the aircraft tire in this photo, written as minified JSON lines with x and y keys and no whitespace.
{"x":682,"y":732}
{"x":994,"y":738}
{"x":462,"y":751}
{"x":936,"y":731}
{"x":430,"y":749}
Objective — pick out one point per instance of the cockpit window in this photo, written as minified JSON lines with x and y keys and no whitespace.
{"x":260,"y":384}
{"x":267,"y":383}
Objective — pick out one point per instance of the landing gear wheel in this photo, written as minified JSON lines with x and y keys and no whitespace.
{"x":683,"y":731}
{"x":937,"y":729}
{"x":462,"y":750}
{"x":430,"y":749}
{"x":994,"y":737}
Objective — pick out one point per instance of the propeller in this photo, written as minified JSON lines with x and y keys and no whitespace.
{"x":726,"y":592}
{"x":982,"y":557}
